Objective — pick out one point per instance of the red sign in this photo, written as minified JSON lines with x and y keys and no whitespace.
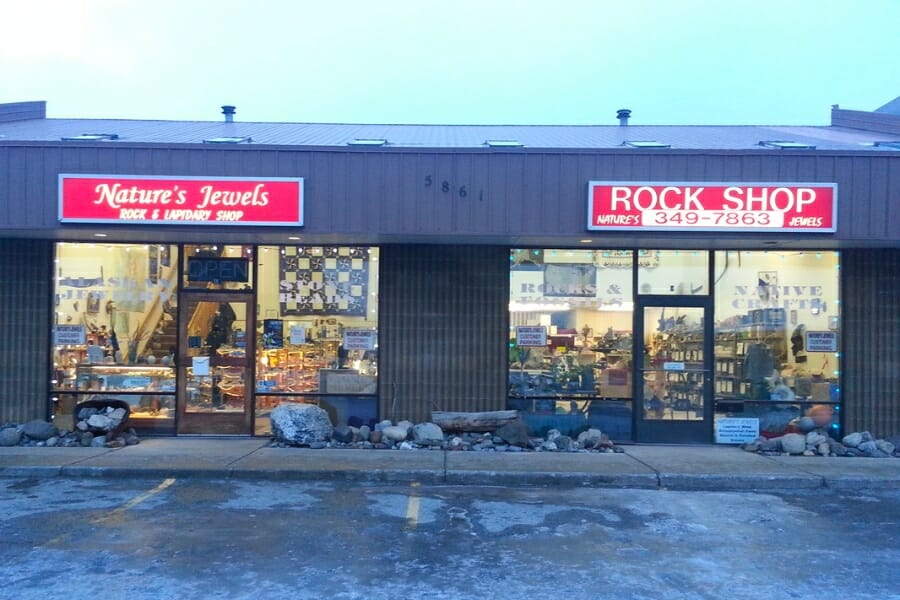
{"x":701,"y":206}
{"x":180,"y":200}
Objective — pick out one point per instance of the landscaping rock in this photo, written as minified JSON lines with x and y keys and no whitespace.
{"x":426,"y":433}
{"x":300,"y":424}
{"x":10,"y":436}
{"x":515,"y":433}
{"x":793,"y":443}
{"x":39,"y":430}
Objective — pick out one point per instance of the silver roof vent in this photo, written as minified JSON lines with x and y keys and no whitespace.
{"x":229,"y":111}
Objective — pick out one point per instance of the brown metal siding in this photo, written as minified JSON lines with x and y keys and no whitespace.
{"x":508,"y":197}
{"x":442,"y":329}
{"x":25,"y":316}
{"x":871,"y":340}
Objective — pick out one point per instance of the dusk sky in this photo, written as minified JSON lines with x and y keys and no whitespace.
{"x":776,"y":62}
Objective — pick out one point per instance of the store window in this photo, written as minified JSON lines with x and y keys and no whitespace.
{"x":570,"y":339}
{"x":114,"y":332}
{"x":777,"y":331}
{"x":673,"y":272}
{"x":317,"y":334}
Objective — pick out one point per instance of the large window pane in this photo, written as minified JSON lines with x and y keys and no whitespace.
{"x":114,"y":330}
{"x":318,"y":334}
{"x":776,"y":347}
{"x":570,"y":339}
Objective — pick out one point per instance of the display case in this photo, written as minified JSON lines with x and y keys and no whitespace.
{"x":149,"y":390}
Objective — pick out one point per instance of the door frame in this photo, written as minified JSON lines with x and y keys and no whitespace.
{"x":673,"y":431}
{"x":214,"y":423}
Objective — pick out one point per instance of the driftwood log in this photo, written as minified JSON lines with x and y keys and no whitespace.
{"x":473,"y":421}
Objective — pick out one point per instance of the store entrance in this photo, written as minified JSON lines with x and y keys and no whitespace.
{"x":674,"y":349}
{"x":215,"y":363}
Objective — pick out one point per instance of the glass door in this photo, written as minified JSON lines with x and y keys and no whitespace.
{"x":215,"y":363}
{"x":674,"y":346}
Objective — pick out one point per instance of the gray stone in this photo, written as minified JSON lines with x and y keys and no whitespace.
{"x":514,"y":449}
{"x":39,"y":430}
{"x":590,"y":438}
{"x":408,"y":425}
{"x":769,"y":444}
{"x":515,"y":433}
{"x":563,"y":442}
{"x":853,"y":440}
{"x":100,"y":422}
{"x":375,"y":437}
{"x":552,"y":435}
{"x":82,"y":426}
{"x":54,"y":441}
{"x":549,"y":446}
{"x":793,"y":443}
{"x":342,"y":434}
{"x":131,"y":439}
{"x":395,"y":433}
{"x":455,"y":443}
{"x":364,"y":432}
{"x":885,"y":446}
{"x":300,"y":424}
{"x":117,"y":414}
{"x":806,"y":424}
{"x":867,"y":437}
{"x":318,"y":445}
{"x":382,"y":425}
{"x":814,"y":438}
{"x":10,"y":436}
{"x":871,"y":449}
{"x":406,"y":446}
{"x":427,"y":433}
{"x":98,"y":442}
{"x":85,"y":413}
{"x":823,"y":449}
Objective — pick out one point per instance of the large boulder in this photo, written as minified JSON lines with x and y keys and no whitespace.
{"x":39,"y":430}
{"x":427,"y":433}
{"x":515,"y":433}
{"x":793,"y":443}
{"x":395,"y":433}
{"x":300,"y":424}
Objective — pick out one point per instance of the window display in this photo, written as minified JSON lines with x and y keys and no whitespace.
{"x":776,"y":338}
{"x":318,"y":330}
{"x":570,"y":339}
{"x":114,"y":332}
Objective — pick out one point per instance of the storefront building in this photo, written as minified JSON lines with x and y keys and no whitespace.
{"x":663,"y":284}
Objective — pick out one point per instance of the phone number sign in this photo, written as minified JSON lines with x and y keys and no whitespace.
{"x":719,"y":206}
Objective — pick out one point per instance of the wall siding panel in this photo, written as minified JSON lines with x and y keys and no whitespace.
{"x":442,"y":329}
{"x":871,"y":334}
{"x":25,"y":319}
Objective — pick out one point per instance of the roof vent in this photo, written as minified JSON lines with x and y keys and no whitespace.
{"x":646,"y":144}
{"x":228,"y":140}
{"x":503,"y":143}
{"x":229,"y":111}
{"x":91,"y":137}
{"x":367,"y":142}
{"x":785,"y":145}
{"x":622,"y":114}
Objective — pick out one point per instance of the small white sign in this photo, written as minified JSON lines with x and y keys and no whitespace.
{"x":69,"y":335}
{"x":821,"y":341}
{"x":673,"y":366}
{"x":531,"y":335}
{"x":359,"y":339}
{"x":298,"y":335}
{"x":736,"y":431}
{"x":200,"y":365}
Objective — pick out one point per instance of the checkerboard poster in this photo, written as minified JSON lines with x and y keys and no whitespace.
{"x":324,"y":281}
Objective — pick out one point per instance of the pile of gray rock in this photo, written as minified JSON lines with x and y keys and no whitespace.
{"x":813,"y":441}
{"x":307,"y":425}
{"x":91,"y":430}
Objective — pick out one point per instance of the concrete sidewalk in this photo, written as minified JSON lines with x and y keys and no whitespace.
{"x":672,"y":467}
